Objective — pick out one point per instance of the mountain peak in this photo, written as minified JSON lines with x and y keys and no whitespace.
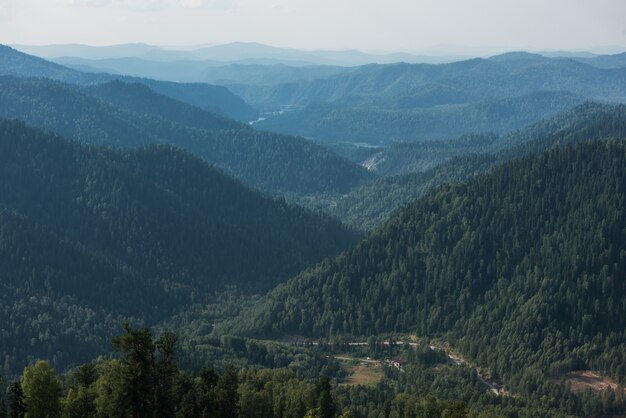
{"x":517,"y":56}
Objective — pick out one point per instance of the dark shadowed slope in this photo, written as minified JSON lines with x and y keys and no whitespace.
{"x":131,"y":234}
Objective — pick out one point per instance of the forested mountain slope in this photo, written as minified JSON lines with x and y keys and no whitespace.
{"x":413,"y":157}
{"x":405,"y":86}
{"x":138,"y":98}
{"x":521,"y":269}
{"x":213,"y":98}
{"x":606,"y":61}
{"x":273,"y":163}
{"x":462,"y":158}
{"x":385,"y":125}
{"x":90,"y":237}
{"x":204,"y":71}
{"x":380,"y":104}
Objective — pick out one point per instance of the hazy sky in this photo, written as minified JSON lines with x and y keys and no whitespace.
{"x":410,"y":25}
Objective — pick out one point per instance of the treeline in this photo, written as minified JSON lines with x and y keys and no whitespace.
{"x":521,"y":269}
{"x":145,"y":381}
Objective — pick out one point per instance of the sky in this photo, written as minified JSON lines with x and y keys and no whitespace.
{"x":381,"y":25}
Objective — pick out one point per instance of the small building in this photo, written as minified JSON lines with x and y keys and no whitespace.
{"x":396,"y":362}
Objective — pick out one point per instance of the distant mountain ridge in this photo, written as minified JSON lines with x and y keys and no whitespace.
{"x":378,"y":125}
{"x":248,"y":52}
{"x":403,"y":86}
{"x":255,"y":53}
{"x":125,"y":115}
{"x":606,"y":61}
{"x":204,"y":71}
{"x":213,"y":98}
{"x":380,"y":104}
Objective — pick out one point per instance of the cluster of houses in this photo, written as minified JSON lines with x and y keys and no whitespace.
{"x":394,"y":362}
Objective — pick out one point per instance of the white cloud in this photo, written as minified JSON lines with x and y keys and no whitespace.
{"x":87,"y":3}
{"x":153,"y":5}
{"x":206,"y":4}
{"x":413,"y":25}
{"x":192,"y":4}
{"x":6,"y":9}
{"x":142,"y":5}
{"x":97,"y":3}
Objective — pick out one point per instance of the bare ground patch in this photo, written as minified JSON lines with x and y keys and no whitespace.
{"x":363,"y":371}
{"x":583,"y":380}
{"x":363,"y":375}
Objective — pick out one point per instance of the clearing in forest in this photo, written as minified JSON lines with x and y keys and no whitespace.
{"x":361,"y":371}
{"x":586,"y":379}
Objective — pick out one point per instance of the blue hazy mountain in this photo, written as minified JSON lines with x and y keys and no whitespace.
{"x":408,"y":102}
{"x":402,"y":86}
{"x":214,"y":98}
{"x":249,"y":52}
{"x":212,"y":72}
{"x":86,"y":51}
{"x":384,"y":126}
{"x":129,"y":115}
{"x":606,"y":61}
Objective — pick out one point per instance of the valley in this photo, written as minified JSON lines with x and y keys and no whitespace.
{"x":246,"y":231}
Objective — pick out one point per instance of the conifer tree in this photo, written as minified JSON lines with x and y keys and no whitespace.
{"x":137,"y":371}
{"x":326,"y":402}
{"x":165,"y":375}
{"x":16,"y":401}
{"x":227,"y":396}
